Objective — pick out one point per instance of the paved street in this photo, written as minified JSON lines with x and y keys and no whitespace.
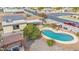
{"x":54,"y":16}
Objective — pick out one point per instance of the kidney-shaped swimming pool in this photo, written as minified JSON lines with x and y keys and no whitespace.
{"x":57,"y":36}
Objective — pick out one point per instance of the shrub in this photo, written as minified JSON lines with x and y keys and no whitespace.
{"x":50,"y":42}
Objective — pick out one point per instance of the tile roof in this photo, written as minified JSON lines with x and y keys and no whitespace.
{"x":11,"y":39}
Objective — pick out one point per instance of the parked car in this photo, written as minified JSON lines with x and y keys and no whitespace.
{"x":70,"y":23}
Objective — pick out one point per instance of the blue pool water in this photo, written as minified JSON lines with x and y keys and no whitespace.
{"x":57,"y":36}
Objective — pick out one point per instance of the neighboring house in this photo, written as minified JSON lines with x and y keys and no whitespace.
{"x":47,"y":10}
{"x":67,"y":9}
{"x":64,"y":26}
{"x":13,"y":42}
{"x":13,"y":23}
{"x":13,"y":9}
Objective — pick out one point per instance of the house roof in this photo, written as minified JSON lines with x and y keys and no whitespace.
{"x":13,"y":38}
{"x":3,"y":15}
{"x":12,"y":17}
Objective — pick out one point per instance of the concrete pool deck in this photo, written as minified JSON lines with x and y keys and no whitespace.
{"x":41,"y":45}
{"x":64,"y":42}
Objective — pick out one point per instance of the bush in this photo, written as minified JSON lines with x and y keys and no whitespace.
{"x":50,"y":42}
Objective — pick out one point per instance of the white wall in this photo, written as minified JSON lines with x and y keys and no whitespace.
{"x":8,"y":29}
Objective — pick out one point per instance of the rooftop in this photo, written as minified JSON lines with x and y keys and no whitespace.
{"x":8,"y":18}
{"x":13,"y":38}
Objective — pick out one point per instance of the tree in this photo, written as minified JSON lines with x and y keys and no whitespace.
{"x":42,"y":15}
{"x":31,"y":32}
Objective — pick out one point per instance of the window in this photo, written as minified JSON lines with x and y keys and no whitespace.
{"x":15,"y":27}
